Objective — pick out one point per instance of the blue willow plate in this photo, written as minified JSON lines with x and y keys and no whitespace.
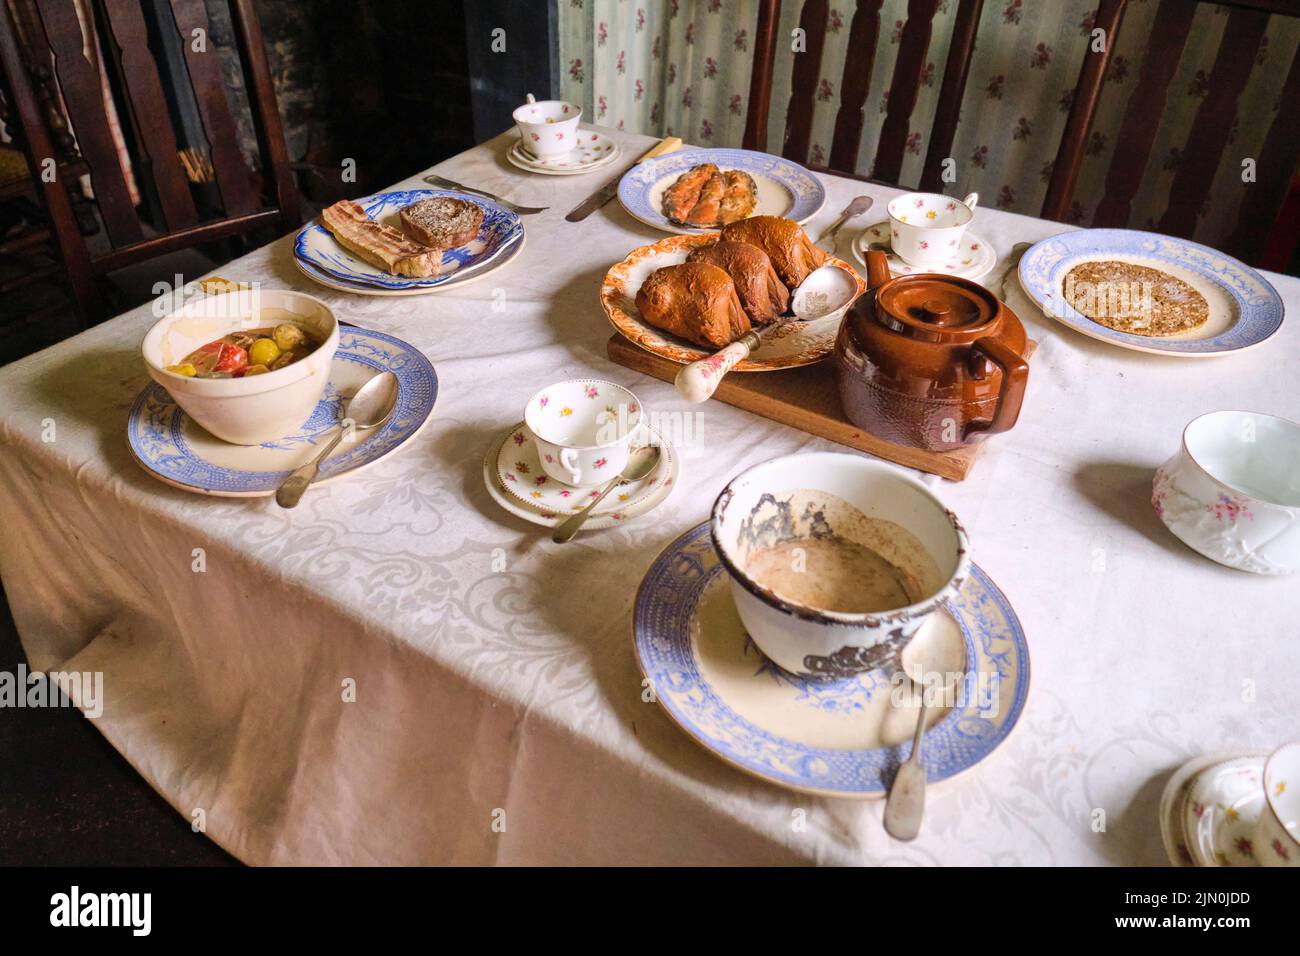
{"x":784,"y":188}
{"x":1245,"y":309}
{"x":501,"y":228}
{"x":169,"y":445}
{"x":834,"y":737}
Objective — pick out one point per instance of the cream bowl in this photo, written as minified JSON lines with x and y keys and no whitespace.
{"x":812,"y":495}
{"x":258,"y":408}
{"x":1232,"y":491}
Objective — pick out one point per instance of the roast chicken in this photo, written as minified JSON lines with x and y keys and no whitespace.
{"x":705,"y":196}
{"x":792,"y":253}
{"x":695,"y":301}
{"x":761,"y":293}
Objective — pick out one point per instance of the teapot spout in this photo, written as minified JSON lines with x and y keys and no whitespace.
{"x":877,"y":269}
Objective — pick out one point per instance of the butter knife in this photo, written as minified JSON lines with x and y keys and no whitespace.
{"x":606,"y":192}
{"x":1017,"y":252}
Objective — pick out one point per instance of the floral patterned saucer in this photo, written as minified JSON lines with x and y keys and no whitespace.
{"x":971,"y":260}
{"x":593,"y":150}
{"x":513,"y":475}
{"x":842,"y":737}
{"x":1221,"y":811}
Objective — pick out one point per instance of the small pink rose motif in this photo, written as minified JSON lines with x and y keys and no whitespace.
{"x":924,"y":244}
{"x":539,"y":480}
{"x":975,"y":246}
{"x":559,"y":136}
{"x":517,"y":438}
{"x":920,"y":204}
{"x":594,"y":137}
{"x":564,"y":493}
{"x":953,"y":243}
{"x":952,"y":206}
{"x":602,"y":462}
{"x":550,"y":460}
{"x":543,"y":401}
{"x":510,"y":477}
{"x":564,"y":110}
{"x":593,"y":494}
{"x":536,"y":137}
{"x":633,"y":408}
{"x":592,"y":391}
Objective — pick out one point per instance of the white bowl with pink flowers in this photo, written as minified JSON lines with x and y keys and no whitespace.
{"x":1232,"y":491}
{"x":547,"y":128}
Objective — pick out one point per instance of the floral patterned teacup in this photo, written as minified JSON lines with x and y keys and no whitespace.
{"x":583,"y":429}
{"x":926,"y":228}
{"x":548,"y":127}
{"x":1231,"y":491}
{"x":1277,"y":836}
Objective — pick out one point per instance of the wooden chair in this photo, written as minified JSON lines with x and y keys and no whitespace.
{"x":1212,"y":125}
{"x":864,"y":36}
{"x":1258,"y":224}
{"x":172,"y":220}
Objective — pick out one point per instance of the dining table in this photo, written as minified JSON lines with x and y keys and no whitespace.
{"x":399,"y":671}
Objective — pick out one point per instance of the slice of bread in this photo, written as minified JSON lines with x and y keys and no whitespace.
{"x":442,"y":222}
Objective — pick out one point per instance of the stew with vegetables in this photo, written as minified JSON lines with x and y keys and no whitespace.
{"x":248,"y":352}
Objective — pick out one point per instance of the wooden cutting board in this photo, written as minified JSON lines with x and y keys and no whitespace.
{"x":805,"y":398}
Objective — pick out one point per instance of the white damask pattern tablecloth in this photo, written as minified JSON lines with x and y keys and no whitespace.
{"x":499,"y":715}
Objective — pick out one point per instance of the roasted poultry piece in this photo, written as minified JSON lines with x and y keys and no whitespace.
{"x":695,"y":301}
{"x":682,"y":195}
{"x":760,"y":291}
{"x":792,"y":253}
{"x":704,"y":196}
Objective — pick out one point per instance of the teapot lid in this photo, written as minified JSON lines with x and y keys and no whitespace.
{"x":937,"y":308}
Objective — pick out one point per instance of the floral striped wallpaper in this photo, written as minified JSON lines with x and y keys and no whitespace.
{"x":683,"y":67}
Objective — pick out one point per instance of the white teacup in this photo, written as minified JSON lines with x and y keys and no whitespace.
{"x":548,"y":127}
{"x":1277,"y":835}
{"x":583,"y":429}
{"x":925,"y":228}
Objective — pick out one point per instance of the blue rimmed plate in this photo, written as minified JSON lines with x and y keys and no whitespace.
{"x":1245,"y":310}
{"x":171,"y":447}
{"x":784,"y":188}
{"x":357,"y":288}
{"x":500,"y":230}
{"x":840,"y":738}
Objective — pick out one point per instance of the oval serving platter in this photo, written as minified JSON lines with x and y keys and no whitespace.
{"x":784,"y":188}
{"x":1245,"y":310}
{"x":172,"y":448}
{"x":842,"y":737}
{"x":500,"y":230}
{"x":798,"y":343}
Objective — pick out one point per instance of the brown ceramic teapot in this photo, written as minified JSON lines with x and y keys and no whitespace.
{"x":930,"y":361}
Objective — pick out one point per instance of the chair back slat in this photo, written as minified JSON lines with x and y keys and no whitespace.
{"x":266,"y":114}
{"x":1087,"y":93}
{"x":234,"y":180}
{"x":803,"y":81}
{"x":859,"y":60}
{"x":1279,"y":161}
{"x":1214,"y":120}
{"x":904,"y":88}
{"x":947,"y":111}
{"x":1137,"y":133}
{"x":79,"y":79}
{"x":760,"y":79}
{"x":144,"y":91}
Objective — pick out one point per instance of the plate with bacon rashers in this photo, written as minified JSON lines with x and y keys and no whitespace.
{"x":407,"y":241}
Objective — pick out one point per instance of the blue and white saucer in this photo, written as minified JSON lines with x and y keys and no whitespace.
{"x":172,"y":448}
{"x":501,"y":228}
{"x":784,"y":188}
{"x":842,"y":738}
{"x":1245,"y":310}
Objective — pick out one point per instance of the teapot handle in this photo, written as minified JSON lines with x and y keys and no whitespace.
{"x":1015,"y":375}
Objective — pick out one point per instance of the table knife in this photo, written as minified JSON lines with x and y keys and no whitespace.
{"x":606,"y":192}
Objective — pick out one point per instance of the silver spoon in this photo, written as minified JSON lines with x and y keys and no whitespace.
{"x":857,"y":207}
{"x":369,"y":407}
{"x":906,"y":802}
{"x":640,"y":463}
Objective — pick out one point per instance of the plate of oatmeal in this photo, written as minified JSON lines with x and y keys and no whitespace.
{"x":1151,"y":293}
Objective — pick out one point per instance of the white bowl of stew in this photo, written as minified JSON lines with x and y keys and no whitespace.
{"x":206,"y":354}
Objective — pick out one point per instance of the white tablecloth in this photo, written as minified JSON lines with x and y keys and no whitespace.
{"x":498,"y":715}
